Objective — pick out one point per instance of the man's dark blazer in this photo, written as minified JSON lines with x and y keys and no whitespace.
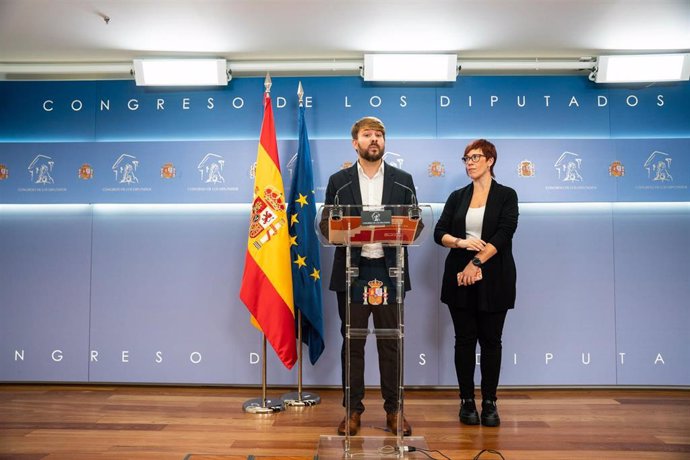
{"x":497,"y":288}
{"x":397,"y":189}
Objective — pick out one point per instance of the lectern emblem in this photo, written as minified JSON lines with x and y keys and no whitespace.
{"x":375,"y":294}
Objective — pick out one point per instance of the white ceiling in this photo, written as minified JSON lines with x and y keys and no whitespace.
{"x":76,"y":31}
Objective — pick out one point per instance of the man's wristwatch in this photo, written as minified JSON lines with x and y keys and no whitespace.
{"x":476,"y":262}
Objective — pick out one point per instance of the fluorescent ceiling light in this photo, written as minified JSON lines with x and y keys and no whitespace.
{"x":410,"y":67}
{"x":180,"y":72}
{"x":643,"y":68}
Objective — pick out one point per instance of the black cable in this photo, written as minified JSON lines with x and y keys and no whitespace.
{"x":490,"y":451}
{"x":425,"y":452}
{"x":429,"y":456}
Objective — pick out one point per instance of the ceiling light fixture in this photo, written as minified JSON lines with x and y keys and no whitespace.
{"x":642,"y":68}
{"x":410,"y":67}
{"x":181,"y":72}
{"x":528,"y":66}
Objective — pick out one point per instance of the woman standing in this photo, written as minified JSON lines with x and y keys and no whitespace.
{"x":477,"y":224}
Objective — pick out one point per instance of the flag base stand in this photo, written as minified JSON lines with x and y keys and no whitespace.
{"x":300,"y":398}
{"x":306,"y":399}
{"x":263,"y":406}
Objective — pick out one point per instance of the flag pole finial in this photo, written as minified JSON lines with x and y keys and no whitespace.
{"x":267,"y":82}
{"x":300,"y":93}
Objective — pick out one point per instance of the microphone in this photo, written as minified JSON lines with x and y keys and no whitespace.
{"x":414,"y":213}
{"x":337,"y":211}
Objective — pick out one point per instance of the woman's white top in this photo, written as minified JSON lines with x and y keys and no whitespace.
{"x":473,"y":222}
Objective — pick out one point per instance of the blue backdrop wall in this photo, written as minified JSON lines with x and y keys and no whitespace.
{"x":124,"y":216}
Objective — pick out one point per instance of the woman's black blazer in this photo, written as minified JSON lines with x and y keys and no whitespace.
{"x":497,"y":288}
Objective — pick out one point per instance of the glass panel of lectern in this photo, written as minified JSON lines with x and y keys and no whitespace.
{"x":396,"y":227}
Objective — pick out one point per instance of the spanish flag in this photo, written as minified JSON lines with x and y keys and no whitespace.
{"x":267,"y":280}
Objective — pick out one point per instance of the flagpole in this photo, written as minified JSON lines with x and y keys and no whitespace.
{"x":263,"y":405}
{"x":264,"y":398}
{"x":299,"y":399}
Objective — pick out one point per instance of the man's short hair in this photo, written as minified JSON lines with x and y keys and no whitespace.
{"x":368,"y":123}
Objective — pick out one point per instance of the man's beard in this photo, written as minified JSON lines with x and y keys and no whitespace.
{"x":367,"y":155}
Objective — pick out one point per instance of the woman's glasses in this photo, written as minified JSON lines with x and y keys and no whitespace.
{"x":473,"y":158}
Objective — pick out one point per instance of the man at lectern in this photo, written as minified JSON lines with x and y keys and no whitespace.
{"x":371,"y":182}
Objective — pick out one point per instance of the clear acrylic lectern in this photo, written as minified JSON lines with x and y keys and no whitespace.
{"x":395,"y":226}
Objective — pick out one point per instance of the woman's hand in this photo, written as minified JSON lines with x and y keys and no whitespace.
{"x":471,"y":244}
{"x":470,"y":275}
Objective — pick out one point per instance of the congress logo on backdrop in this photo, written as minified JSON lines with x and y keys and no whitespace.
{"x":658,"y":167}
{"x":569,"y":167}
{"x":394,"y":159}
{"x":525,"y":168}
{"x":436,"y":169}
{"x":40,"y":170}
{"x":616,"y":169}
{"x":125,"y":169}
{"x":291,"y":164}
{"x":211,"y":169}
{"x":4,"y":172}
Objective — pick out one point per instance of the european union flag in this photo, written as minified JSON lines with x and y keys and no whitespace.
{"x":304,"y":246}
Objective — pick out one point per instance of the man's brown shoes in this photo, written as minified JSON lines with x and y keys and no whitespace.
{"x":352,"y":425}
{"x":392,"y":423}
